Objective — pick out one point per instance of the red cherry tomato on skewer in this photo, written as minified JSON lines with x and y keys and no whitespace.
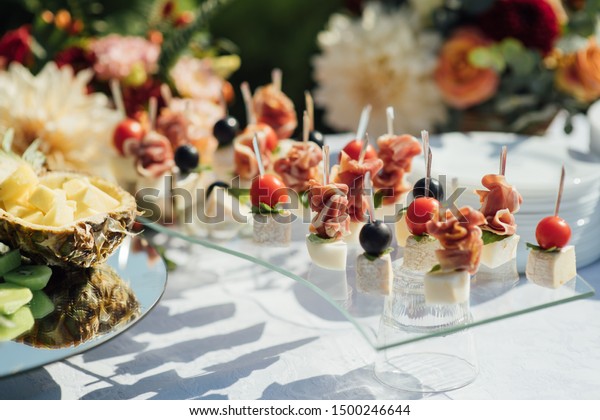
{"x":125,"y":130}
{"x":353,"y":149}
{"x":268,"y":189}
{"x":552,"y":231}
{"x":421,"y":211}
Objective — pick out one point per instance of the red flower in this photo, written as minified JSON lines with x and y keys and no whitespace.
{"x":136,"y":98}
{"x":76,"y":57}
{"x":533,"y":22}
{"x":16,"y":46}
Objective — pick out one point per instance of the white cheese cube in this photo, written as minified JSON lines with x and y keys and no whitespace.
{"x":446,"y":287}
{"x":402,"y":232}
{"x":551,"y":269}
{"x":329,"y":255}
{"x":273,"y":229}
{"x":222,"y":211}
{"x":374,"y":276}
{"x":355,"y":228}
{"x":497,"y":253}
{"x":419,"y":255}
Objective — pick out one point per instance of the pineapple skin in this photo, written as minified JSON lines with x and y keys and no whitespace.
{"x":84,"y":243}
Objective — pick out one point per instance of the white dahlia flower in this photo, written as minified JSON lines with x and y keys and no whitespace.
{"x":75,"y":127}
{"x":384,"y":59}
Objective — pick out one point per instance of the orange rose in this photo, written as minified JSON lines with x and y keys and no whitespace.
{"x":462,"y":85}
{"x":578,"y":74}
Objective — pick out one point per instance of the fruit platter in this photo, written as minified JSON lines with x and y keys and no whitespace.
{"x":64,"y":287}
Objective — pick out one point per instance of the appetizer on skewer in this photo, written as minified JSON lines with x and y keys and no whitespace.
{"x":272,"y":223}
{"x":498,"y":204}
{"x":552,"y":263}
{"x":374,"y":272}
{"x":420,"y":247}
{"x":301,"y":163}
{"x":460,"y":238}
{"x":397,"y":153}
{"x":330,"y":224}
{"x":274,"y":108}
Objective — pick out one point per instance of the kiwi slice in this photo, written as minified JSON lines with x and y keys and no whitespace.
{"x":12,"y":297}
{"x":9,"y":261}
{"x":40,"y":305}
{"x":22,"y":321}
{"x":34,"y":277}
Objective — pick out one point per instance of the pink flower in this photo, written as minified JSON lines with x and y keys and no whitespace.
{"x":117,"y":57}
{"x":195,"y":78}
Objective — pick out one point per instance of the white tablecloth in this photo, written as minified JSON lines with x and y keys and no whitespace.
{"x":227,"y":329}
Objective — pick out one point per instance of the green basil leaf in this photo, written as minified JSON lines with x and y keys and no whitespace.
{"x":318,"y":240}
{"x":491,"y":237}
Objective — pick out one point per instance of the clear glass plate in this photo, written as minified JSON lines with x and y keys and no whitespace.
{"x":136,"y":265}
{"x":494,"y":298}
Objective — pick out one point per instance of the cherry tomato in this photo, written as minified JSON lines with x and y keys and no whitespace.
{"x":552,"y":231}
{"x":268,"y":189}
{"x":272,"y":139}
{"x":353,"y":149}
{"x":421,"y":211}
{"x":127,"y":129}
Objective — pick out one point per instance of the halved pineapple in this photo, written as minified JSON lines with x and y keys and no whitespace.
{"x":61,"y":218}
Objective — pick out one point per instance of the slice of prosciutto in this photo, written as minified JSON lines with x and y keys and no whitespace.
{"x":498,"y":204}
{"x":300,"y":165}
{"x":330,"y":202}
{"x":246,"y":164}
{"x":460,"y":238}
{"x":352,"y":173}
{"x":154,"y":155}
{"x":274,"y":108}
{"x":397,"y":153}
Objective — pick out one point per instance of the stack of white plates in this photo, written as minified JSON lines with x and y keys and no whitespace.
{"x":533,"y":167}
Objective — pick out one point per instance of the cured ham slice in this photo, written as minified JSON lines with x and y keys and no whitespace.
{"x":330,"y":202}
{"x":397,"y":153}
{"x":460,"y":238}
{"x":246,"y":164}
{"x":154,"y":155}
{"x":275,"y":109}
{"x":300,"y":165}
{"x":498,"y":204}
{"x":351,"y":173}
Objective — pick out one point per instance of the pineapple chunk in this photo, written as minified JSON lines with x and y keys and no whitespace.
{"x":74,"y":187}
{"x":20,"y":210}
{"x":35,"y":218}
{"x":18,"y":184}
{"x":94,"y":198}
{"x":43,"y":198}
{"x":85,"y":213}
{"x":59,"y":215}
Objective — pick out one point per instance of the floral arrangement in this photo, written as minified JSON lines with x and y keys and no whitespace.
{"x":505,"y":65}
{"x":69,"y":79}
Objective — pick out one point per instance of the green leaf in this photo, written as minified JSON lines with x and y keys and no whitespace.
{"x":422,"y":237}
{"x":491,"y":237}
{"x":239,"y":193}
{"x":435,"y":268}
{"x":378,"y":198}
{"x":487,"y":58}
{"x":539,"y":248}
{"x":372,"y":257}
{"x":162,"y":251}
{"x":318,"y":240}
{"x":304,"y":199}
{"x":401,"y":212}
{"x":266,"y":209}
{"x":511,"y":49}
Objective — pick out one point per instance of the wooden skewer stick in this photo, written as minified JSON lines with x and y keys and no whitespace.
{"x":370,"y":200}
{"x":247,"y":95}
{"x":428,"y":172}
{"x":560,"y":190}
{"x":503,"y":160}
{"x":326,"y":164}
{"x":310,"y":107}
{"x":261,"y":168}
{"x":363,"y":150}
{"x":165,"y":92}
{"x":363,"y":122}
{"x":115,"y":90}
{"x":389,"y":112}
{"x":152,"y":111}
{"x":276,"y":76}
{"x":305,"y":127}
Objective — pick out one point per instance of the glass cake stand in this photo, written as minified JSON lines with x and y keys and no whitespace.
{"x":419,"y":347}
